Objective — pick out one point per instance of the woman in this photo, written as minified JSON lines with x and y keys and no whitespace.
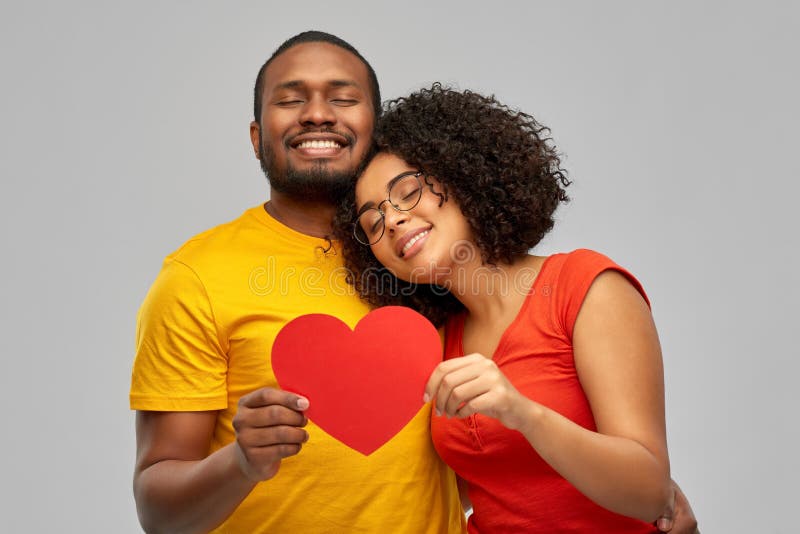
{"x":550,"y":402}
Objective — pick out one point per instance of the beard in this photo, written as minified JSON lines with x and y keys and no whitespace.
{"x":318,"y":184}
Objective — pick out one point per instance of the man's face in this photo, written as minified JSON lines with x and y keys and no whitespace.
{"x":316,"y":121}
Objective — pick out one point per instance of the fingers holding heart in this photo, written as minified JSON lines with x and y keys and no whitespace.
{"x":442,"y":371}
{"x":268,"y":428}
{"x":460,"y":386}
{"x":257,"y":437}
{"x":473,"y":384}
{"x":269,"y":416}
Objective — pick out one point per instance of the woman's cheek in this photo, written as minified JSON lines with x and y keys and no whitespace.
{"x":381,"y":254}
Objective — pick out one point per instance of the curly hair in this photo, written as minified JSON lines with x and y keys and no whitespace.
{"x":499,"y":165}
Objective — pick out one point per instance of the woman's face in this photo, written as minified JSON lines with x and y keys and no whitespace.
{"x":417,"y":245}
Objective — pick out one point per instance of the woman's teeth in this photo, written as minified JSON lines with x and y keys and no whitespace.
{"x":414,"y":240}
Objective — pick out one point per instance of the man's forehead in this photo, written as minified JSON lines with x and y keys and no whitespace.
{"x":316,"y":63}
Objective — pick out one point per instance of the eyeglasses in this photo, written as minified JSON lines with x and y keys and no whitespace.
{"x":405,"y":190}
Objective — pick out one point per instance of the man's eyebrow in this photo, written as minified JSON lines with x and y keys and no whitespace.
{"x":295,"y":84}
{"x":343,"y":83}
{"x":291,"y":84}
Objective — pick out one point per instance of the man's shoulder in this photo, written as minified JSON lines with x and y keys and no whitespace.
{"x":222,"y":239}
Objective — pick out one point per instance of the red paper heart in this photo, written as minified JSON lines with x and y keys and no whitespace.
{"x":363,"y":386}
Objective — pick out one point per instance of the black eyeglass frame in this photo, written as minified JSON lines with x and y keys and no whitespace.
{"x":396,"y":207}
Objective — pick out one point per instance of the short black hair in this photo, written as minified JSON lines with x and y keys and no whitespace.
{"x":314,"y":36}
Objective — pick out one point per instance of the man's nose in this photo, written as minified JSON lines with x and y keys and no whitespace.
{"x":318,"y":111}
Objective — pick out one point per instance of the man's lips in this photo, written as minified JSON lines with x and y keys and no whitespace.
{"x":318,"y":140}
{"x":409,"y":238}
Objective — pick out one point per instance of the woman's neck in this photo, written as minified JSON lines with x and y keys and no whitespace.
{"x":492,"y":292}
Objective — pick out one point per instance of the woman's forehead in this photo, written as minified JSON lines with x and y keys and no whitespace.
{"x":381,"y":170}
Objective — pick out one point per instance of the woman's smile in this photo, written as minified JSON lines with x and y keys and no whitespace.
{"x":410,"y":243}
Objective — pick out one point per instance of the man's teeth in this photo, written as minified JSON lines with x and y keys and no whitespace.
{"x":319,"y":144}
{"x":414,"y":240}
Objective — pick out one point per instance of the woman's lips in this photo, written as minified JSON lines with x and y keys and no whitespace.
{"x":411,"y":242}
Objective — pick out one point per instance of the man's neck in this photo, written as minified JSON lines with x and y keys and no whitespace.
{"x":307,"y":217}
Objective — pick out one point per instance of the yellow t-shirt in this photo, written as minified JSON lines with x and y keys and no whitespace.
{"x":204,"y":339}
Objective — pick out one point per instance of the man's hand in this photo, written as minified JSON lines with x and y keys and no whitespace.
{"x":678,"y":518}
{"x":268,"y":428}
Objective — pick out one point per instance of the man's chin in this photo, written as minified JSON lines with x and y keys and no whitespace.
{"x":321,"y":167}
{"x":319,"y":180}
{"x":328,"y":187}
{"x":317,"y":193}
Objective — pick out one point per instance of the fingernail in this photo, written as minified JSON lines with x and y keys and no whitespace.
{"x":438,"y":413}
{"x":306,"y":438}
{"x":426,"y":398}
{"x":664,"y":523}
{"x":302,"y":404}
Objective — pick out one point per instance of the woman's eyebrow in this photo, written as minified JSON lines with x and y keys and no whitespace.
{"x":398,"y":178}
{"x":364,"y":207}
{"x":370,"y":204}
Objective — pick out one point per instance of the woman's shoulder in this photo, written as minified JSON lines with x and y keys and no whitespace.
{"x":577,"y":262}
{"x":575,"y":271}
{"x":581,"y":255}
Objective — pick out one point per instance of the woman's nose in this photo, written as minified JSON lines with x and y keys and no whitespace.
{"x":393,"y":218}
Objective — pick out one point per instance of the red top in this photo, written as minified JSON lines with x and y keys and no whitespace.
{"x":511,"y":487}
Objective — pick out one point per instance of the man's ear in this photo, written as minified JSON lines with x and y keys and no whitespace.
{"x":255,"y":130}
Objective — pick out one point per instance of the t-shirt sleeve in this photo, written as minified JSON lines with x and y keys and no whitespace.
{"x":578,"y":271}
{"x":180,"y":364}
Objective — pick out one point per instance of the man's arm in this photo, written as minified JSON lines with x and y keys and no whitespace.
{"x":180,"y":488}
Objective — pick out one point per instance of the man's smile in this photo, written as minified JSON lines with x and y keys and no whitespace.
{"x":319,"y":144}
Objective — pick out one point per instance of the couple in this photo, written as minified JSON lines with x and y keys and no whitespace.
{"x":585,"y":450}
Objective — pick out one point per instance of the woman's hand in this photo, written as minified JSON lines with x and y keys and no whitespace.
{"x":474,"y":384}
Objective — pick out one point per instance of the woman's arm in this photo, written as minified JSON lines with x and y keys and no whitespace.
{"x":618,"y":359}
{"x":624,"y":466}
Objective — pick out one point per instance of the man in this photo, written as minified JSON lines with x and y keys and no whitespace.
{"x":219,"y":446}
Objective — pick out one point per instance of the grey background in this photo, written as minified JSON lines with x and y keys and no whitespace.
{"x":124,"y":132}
